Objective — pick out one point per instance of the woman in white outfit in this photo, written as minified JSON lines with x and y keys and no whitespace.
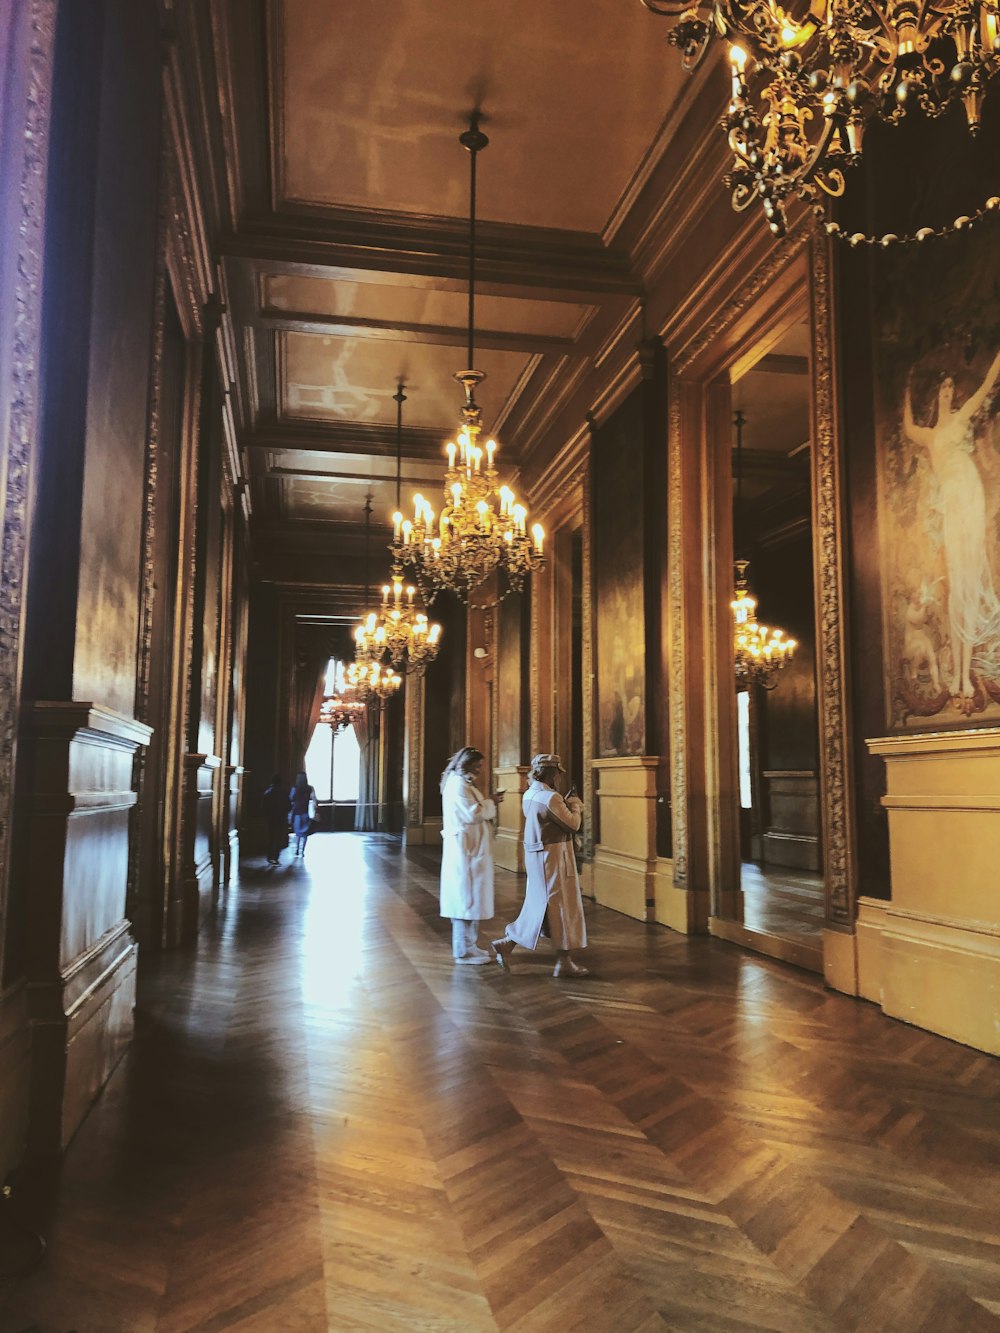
{"x":553,"y":889}
{"x":467,"y":855}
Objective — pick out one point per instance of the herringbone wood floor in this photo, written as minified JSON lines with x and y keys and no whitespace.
{"x":324,"y":1124}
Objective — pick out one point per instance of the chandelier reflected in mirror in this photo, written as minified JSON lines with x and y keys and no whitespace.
{"x":481,"y":528}
{"x":759,"y":652}
{"x":808,"y":80}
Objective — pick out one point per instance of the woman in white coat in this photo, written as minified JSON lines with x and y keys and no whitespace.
{"x":553,"y":889}
{"x":467,"y":855}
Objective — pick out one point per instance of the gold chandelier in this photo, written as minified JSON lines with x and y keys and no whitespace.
{"x":402,"y":630}
{"x":481,"y":528}
{"x":373,"y":682}
{"x":807,"y":81}
{"x":367,"y":676}
{"x":759,"y":653}
{"x":338,"y":712}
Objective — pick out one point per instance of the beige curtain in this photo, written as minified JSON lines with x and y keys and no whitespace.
{"x":366,"y":730}
{"x":312,"y":656}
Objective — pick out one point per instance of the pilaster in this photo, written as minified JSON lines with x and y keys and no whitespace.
{"x":508,"y":849}
{"x":81,"y":958}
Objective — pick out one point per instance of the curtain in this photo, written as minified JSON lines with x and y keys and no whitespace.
{"x":312,"y":656}
{"x":366,"y":813}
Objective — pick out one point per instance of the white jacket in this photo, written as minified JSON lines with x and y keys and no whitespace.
{"x":467,"y":855}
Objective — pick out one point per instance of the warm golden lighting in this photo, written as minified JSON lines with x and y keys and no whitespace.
{"x":481,"y":530}
{"x":818,"y":79}
{"x":399,"y":631}
{"x":373,"y":681}
{"x":338,"y":712}
{"x":760,"y":653}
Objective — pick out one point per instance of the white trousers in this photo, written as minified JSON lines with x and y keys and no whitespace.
{"x":463,"y":937}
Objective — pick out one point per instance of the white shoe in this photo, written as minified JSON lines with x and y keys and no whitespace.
{"x":479,"y":956}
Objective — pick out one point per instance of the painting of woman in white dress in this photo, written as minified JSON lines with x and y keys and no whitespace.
{"x":973,"y":609}
{"x":939,"y":496}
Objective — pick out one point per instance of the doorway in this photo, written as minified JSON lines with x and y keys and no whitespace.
{"x":777,"y":720}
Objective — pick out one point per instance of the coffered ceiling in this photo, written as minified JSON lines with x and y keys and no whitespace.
{"x":346,"y":253}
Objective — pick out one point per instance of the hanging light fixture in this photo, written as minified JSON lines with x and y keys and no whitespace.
{"x":760,"y":653}
{"x":407,"y":636}
{"x":367,"y":677}
{"x":807,"y":82}
{"x":337,"y":711}
{"x":482,"y":528}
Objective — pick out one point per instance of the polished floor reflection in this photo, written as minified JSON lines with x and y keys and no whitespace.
{"x":325,"y":1125}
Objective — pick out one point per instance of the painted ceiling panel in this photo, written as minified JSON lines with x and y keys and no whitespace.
{"x":375,"y":93}
{"x":378,"y":301}
{"x":354,"y":379}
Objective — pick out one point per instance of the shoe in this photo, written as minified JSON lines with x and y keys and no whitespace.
{"x":567,"y":968}
{"x":480,"y":956}
{"x":503,"y":950}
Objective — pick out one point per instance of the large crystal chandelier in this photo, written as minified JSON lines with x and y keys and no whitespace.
{"x":481,"y":528}
{"x":759,"y":652}
{"x":807,"y":81}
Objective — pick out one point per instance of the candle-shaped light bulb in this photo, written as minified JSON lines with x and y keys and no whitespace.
{"x":397,"y":520}
{"x":538,"y":533}
{"x":456,"y":494}
{"x":385,"y":593}
{"x":407,"y":532}
{"x":409,"y":593}
{"x":397,"y":588}
{"x":430,"y":519}
{"x":737,"y":65}
{"x":491,"y":448}
{"x":451,"y":453}
{"x":435,"y":633}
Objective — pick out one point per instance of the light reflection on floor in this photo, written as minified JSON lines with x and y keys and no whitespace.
{"x":334,"y":921}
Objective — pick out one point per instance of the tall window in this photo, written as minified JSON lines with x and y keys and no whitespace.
{"x":743,"y":734}
{"x":336,"y":758}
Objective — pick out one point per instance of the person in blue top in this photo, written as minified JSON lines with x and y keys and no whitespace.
{"x":303,"y":801}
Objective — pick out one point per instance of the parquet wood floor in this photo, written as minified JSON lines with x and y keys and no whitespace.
{"x":324,"y":1124}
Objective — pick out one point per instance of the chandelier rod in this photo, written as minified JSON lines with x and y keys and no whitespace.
{"x":368,"y":532}
{"x":400,"y":398}
{"x":474,"y":141}
{"x":739,"y":420}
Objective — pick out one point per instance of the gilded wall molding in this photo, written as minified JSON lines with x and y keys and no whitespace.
{"x":675,"y":584}
{"x":728,"y":312}
{"x":22,"y":321}
{"x":831,"y":648}
{"x":587,"y":667}
{"x":414,"y":721}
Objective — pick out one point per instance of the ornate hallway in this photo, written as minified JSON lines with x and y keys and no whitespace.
{"x":323,"y":1124}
